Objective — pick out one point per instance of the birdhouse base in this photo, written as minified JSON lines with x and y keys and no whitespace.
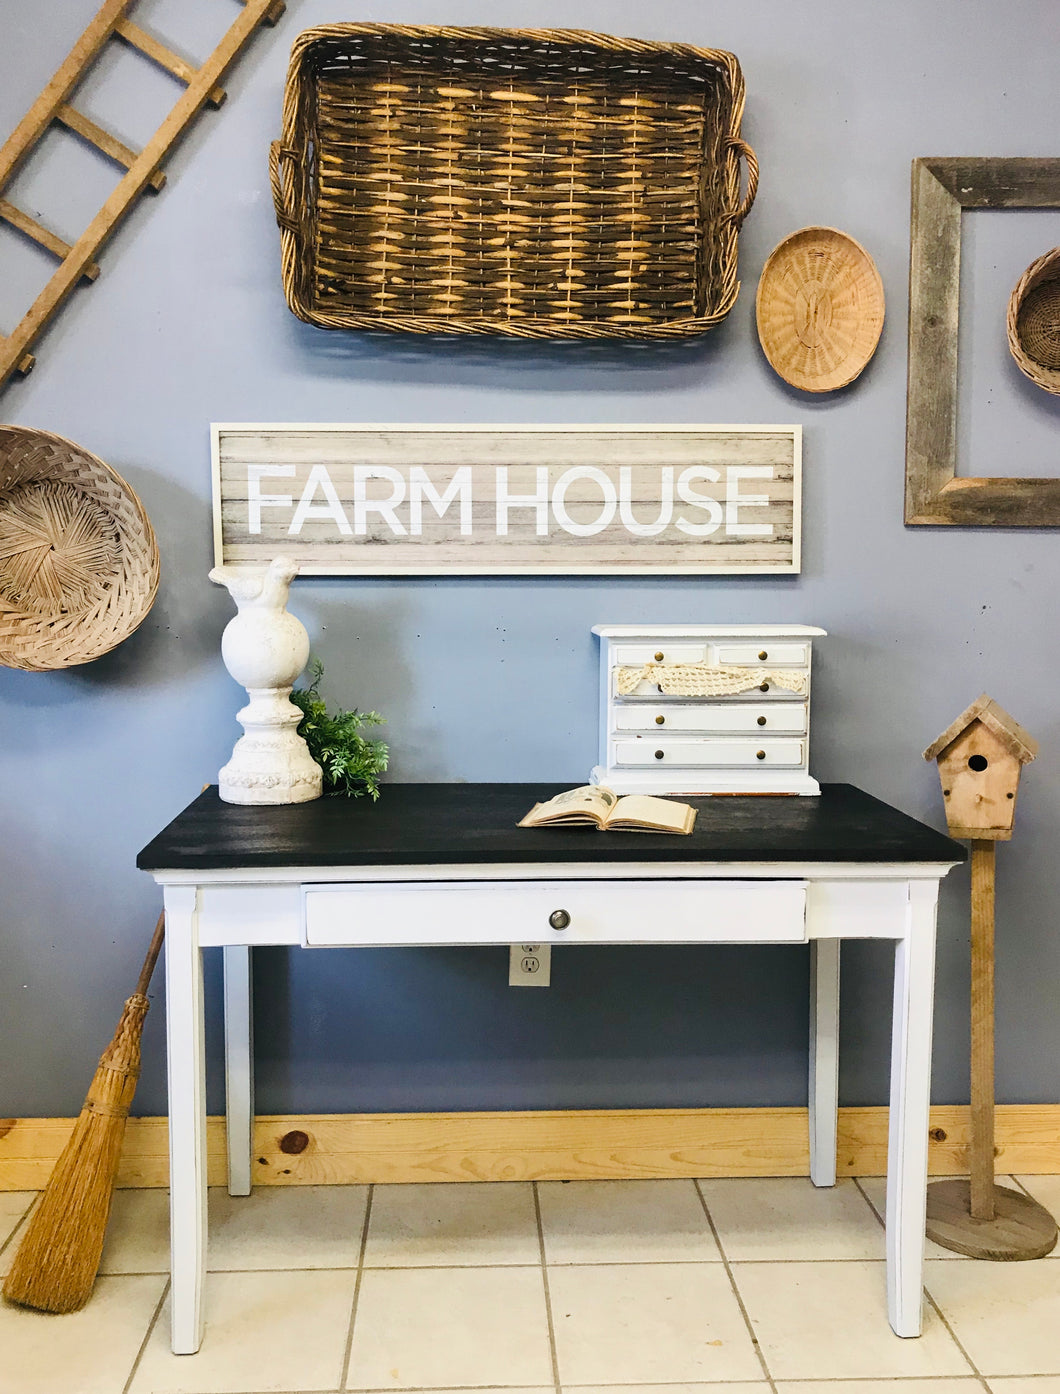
{"x":1020,"y":1229}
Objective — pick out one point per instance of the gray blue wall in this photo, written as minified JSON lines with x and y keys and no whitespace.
{"x":495,"y":679}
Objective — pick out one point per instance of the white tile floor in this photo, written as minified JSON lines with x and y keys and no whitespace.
{"x":602,"y":1287}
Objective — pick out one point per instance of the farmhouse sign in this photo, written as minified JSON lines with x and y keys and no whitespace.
{"x":512,"y":500}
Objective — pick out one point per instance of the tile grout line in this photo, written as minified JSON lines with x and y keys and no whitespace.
{"x":868,"y":1201}
{"x":953,"y":1337}
{"x":735,"y":1290}
{"x":147,"y":1336}
{"x":19,"y":1224}
{"x":929,"y":1299}
{"x":553,"y":1356}
{"x":344,"y":1374}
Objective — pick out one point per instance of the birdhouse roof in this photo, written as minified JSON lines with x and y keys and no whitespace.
{"x":1010,"y":733}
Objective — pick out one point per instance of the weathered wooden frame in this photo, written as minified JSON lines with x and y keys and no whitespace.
{"x":934,"y":495}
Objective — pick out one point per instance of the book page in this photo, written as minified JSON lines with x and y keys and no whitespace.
{"x":644,"y":812}
{"x":589,"y":803}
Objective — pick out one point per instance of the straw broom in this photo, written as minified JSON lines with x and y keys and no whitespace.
{"x":59,"y":1255}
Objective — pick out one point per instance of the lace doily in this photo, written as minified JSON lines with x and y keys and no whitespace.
{"x":706,"y":680}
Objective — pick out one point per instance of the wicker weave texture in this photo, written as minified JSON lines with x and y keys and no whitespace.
{"x":78,"y":557}
{"x":1033,"y":321}
{"x":542,"y":183}
{"x":819,"y":309}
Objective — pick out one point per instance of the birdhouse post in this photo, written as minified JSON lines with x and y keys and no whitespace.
{"x":980,"y":758}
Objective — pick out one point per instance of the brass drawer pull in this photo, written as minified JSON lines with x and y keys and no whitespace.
{"x":559,"y":919}
{"x":760,"y":755}
{"x":761,"y":721}
{"x":659,"y":754}
{"x":660,"y":721}
{"x":763,"y":655}
{"x":658,"y":658}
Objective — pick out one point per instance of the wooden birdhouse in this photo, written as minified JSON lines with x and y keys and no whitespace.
{"x":980,"y":758}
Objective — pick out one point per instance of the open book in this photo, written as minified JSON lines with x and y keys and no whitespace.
{"x":593,"y":803}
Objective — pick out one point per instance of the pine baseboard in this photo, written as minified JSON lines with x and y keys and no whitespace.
{"x":333,"y":1149}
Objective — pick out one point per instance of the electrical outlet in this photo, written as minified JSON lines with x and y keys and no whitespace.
{"x":529,"y":965}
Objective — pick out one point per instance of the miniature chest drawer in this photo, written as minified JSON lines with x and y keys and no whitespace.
{"x":701,"y":754}
{"x":720,"y":716}
{"x":761,"y":655}
{"x":636,"y":655}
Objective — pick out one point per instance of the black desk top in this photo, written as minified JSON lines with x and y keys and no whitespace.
{"x":468,"y":824}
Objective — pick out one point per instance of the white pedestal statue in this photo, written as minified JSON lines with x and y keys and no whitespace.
{"x":265,"y":648}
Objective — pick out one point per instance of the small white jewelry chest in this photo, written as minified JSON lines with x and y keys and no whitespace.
{"x":705,"y":709}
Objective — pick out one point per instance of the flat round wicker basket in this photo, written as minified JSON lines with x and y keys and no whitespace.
{"x":1033,"y":321}
{"x":78,"y":557}
{"x":819,"y":308}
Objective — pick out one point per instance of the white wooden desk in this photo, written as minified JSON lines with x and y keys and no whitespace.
{"x":444,"y":864}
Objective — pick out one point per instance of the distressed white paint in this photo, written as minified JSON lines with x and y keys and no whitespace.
{"x":824,"y":1059}
{"x":656,"y":742}
{"x":418,"y":500}
{"x":399,"y":905}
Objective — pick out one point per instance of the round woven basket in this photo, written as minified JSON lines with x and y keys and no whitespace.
{"x":78,"y":556}
{"x":1033,"y":321}
{"x":819,"y":308}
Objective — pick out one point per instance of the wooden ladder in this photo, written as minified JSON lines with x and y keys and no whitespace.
{"x":77,"y":261}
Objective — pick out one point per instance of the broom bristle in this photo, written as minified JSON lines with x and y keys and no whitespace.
{"x":59,"y":1255}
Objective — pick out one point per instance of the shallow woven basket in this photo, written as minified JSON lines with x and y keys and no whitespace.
{"x":543,"y":183}
{"x":1033,"y":321}
{"x":78,"y":557}
{"x":819,"y":308}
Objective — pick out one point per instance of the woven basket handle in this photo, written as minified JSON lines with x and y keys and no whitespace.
{"x":285,"y":215}
{"x":750,"y":159}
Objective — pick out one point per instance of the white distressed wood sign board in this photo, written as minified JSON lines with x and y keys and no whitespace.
{"x":346,"y":500}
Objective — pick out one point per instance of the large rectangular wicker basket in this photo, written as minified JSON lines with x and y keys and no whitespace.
{"x":546,"y":183}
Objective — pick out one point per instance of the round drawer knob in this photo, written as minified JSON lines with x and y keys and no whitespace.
{"x":763,"y":655}
{"x":761,"y":721}
{"x":659,"y":754}
{"x":760,"y":755}
{"x":763,"y":687}
{"x":658,"y":658}
{"x":559,"y":919}
{"x":660,"y":721}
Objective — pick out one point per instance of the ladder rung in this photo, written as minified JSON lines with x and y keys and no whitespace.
{"x":103,"y":140}
{"x":164,"y":57}
{"x":41,"y":235}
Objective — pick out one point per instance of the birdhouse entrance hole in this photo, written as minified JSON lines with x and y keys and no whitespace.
{"x":977,"y":763}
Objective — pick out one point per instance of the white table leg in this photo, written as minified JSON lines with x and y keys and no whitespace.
{"x":239,"y":1067}
{"x":907,"y":1143}
{"x":187,"y":1117}
{"x":824,"y":1059}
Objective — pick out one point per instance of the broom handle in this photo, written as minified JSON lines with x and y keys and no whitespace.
{"x":152,"y":955}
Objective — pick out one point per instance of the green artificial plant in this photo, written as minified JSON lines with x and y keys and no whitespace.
{"x":351,"y":764}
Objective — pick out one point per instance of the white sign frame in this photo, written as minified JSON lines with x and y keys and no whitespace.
{"x":735,"y":508}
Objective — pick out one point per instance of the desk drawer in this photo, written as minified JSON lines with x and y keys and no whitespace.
{"x":378,"y":914}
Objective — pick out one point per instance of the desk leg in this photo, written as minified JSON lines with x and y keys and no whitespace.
{"x":907,"y":1143}
{"x":187,"y":1117}
{"x":239,"y":1067}
{"x":824,"y":1059}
